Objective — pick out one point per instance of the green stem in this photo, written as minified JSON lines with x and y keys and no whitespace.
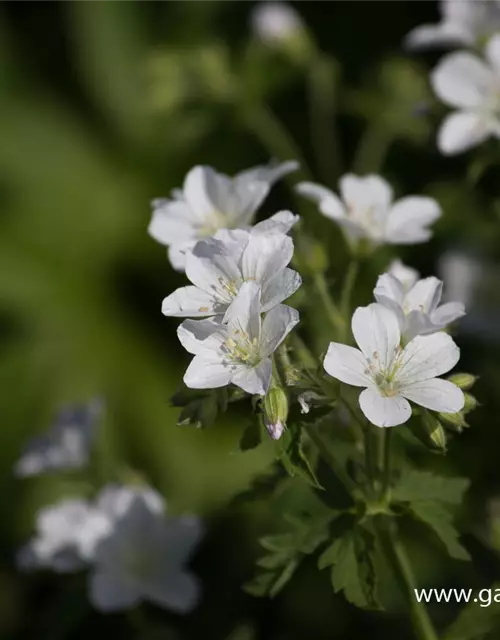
{"x":370,"y":460}
{"x":385,"y":495}
{"x":329,"y":458}
{"x":372,"y":149}
{"x":424,"y":629}
{"x":322,"y":76}
{"x":332,"y":311}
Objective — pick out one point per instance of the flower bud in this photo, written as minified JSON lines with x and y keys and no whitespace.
{"x":275,"y":412}
{"x":464,"y":381}
{"x":470,"y":403}
{"x":435,"y":431}
{"x":455,"y":420}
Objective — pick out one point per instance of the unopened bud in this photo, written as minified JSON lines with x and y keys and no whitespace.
{"x":470,"y":403}
{"x":464,"y":381}
{"x":275,"y":412}
{"x":435,"y":431}
{"x":455,"y":420}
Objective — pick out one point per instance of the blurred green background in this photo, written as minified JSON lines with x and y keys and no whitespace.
{"x":106,"y":105}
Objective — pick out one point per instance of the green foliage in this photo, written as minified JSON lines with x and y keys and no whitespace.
{"x":416,"y":485}
{"x":200,"y":408}
{"x":474,"y":622}
{"x":286,"y":551}
{"x":294,"y":454}
{"x":352,"y":558}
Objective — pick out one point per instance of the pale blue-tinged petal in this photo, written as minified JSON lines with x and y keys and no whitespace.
{"x":253,"y":380}
{"x":347,"y":364}
{"x":213,"y":267}
{"x":111,"y":592}
{"x":383,"y":411}
{"x":179,"y":591}
{"x":435,"y":394}
{"x":377,"y":333}
{"x":277,"y":324}
{"x":427,"y":357}
{"x":281,"y":287}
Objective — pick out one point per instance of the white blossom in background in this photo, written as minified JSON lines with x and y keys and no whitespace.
{"x":471,"y":85}
{"x":461,"y":275}
{"x":210,"y":201}
{"x":219,"y":266}
{"x":238,"y":352}
{"x":417,"y":309}
{"x":143,"y":559}
{"x":65,"y":446}
{"x":406,"y":275}
{"x":392,"y":375}
{"x":275,"y":22}
{"x":66,"y":537}
{"x":464,"y":22}
{"x":114,"y":500}
{"x":366,"y":210}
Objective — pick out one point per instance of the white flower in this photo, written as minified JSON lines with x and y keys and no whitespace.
{"x":406,"y":275}
{"x":237,"y":352}
{"x":66,"y":537}
{"x":417,"y":309}
{"x":367,"y":210}
{"x":65,"y":446}
{"x":210,"y":201}
{"x":392,"y":375}
{"x":144,"y":558}
{"x":471,"y":85}
{"x":114,"y":500}
{"x":461,"y":274}
{"x":274,"y":22}
{"x":464,"y":22}
{"x":219,"y":266}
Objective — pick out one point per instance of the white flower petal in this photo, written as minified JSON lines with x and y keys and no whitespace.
{"x":179,"y":592}
{"x":198,"y":184}
{"x":384,"y":411}
{"x":329,"y":204}
{"x":492,"y":52}
{"x":376,"y":331}
{"x":268,"y":173}
{"x":207,"y":372}
{"x":367,"y":191}
{"x":171,"y":222}
{"x":388,"y":287}
{"x":253,"y":380}
{"x":448,"y":313}
{"x":437,"y":35}
{"x":462,"y":80}
{"x":243,"y":314}
{"x":347,"y":364}
{"x":406,"y":275}
{"x":460,"y":131}
{"x":279,"y":288}
{"x":110,"y":592}
{"x":280,"y":222}
{"x":427,"y":357}
{"x":193,"y":335}
{"x":191,"y":301}
{"x":435,"y":394}
{"x":276,"y":325}
{"x":265,"y":257}
{"x":408,"y":218}
{"x":212,"y":265}
{"x":425,"y":295}
{"x":177,"y":254}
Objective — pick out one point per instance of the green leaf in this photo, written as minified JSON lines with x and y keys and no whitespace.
{"x":422,"y":485}
{"x":290,"y":450}
{"x":439,"y":519}
{"x":199,"y":408}
{"x":353,"y":571}
{"x":286,"y":551}
{"x":474,"y":621}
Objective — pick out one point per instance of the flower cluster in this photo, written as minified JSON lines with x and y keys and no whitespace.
{"x":466,"y":81}
{"x":134,"y":551}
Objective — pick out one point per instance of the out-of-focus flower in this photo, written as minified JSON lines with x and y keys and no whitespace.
{"x":417,"y":309}
{"x":464,"y":22}
{"x":471,"y":85}
{"x":210,"y":201}
{"x":406,"y":275}
{"x":114,"y":500}
{"x":66,"y":537}
{"x":65,"y":446}
{"x":392,"y":375}
{"x":367,"y":210}
{"x":237,"y":352}
{"x":461,"y":274}
{"x":275,"y":22}
{"x":144,"y":558}
{"x":219,"y":266}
